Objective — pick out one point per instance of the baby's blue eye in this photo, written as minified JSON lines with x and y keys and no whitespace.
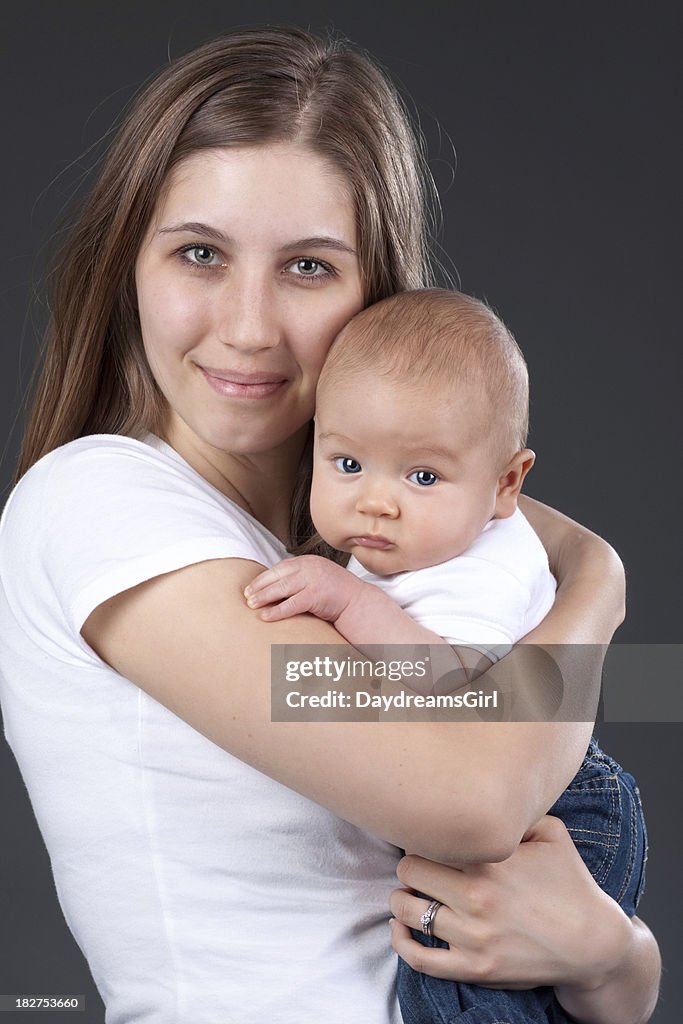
{"x":346,"y":465}
{"x":423,"y":477}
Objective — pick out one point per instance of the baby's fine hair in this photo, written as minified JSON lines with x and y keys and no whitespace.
{"x":445,"y":339}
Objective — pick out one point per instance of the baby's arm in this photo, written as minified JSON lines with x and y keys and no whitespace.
{"x":361,"y":612}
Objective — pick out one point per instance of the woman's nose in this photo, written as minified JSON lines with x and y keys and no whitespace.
{"x":247,"y":315}
{"x":377,"y":501}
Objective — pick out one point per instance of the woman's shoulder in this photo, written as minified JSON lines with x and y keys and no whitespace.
{"x":107,"y":484}
{"x":94,"y":454}
{"x":110,"y":469}
{"x":104,"y":513}
{"x":98,"y":454}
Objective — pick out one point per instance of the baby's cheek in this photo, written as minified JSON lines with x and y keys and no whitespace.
{"x":323,"y":512}
{"x":444,"y":535}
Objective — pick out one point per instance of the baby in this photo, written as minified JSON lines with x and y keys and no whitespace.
{"x":421,"y":421}
{"x":419,"y":458}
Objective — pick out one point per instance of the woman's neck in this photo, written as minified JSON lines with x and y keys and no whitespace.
{"x":261,"y":483}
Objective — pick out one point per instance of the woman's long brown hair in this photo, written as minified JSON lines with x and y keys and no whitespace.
{"x":248,"y":88}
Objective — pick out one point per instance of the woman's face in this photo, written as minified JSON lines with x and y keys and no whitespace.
{"x":248,"y":270}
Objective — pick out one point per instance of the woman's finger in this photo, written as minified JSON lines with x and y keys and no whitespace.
{"x":470,"y":966}
{"x":442,"y":883}
{"x":437,"y":962}
{"x":408,"y":910}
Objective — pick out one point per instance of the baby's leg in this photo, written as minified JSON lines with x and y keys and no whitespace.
{"x":602,"y":811}
{"x":426,"y":1000}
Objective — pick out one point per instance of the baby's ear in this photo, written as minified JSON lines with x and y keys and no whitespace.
{"x":510,"y":482}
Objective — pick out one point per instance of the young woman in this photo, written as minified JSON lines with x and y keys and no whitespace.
{"x":209,"y":862}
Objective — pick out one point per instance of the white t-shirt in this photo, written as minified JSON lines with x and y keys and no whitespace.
{"x":488,"y":597}
{"x":200,"y":891}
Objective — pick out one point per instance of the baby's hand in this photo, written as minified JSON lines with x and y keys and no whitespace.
{"x":304,"y":584}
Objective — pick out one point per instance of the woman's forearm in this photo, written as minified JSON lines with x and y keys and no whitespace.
{"x":590,"y":602}
{"x":625,"y":993}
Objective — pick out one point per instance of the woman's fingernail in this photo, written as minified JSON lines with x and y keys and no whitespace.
{"x":247,"y":591}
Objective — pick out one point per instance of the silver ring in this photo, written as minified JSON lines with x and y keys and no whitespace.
{"x":427,"y":919}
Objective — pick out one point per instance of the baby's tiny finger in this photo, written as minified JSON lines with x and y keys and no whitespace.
{"x":273,"y":614}
{"x":268,"y":594}
{"x":295,"y":604}
{"x":259,"y":582}
{"x":277,"y":573}
{"x":275,"y":589}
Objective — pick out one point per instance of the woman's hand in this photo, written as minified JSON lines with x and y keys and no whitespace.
{"x":537,"y":918}
{"x":501,"y":920}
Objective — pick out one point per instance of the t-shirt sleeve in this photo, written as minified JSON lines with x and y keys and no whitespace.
{"x":102,"y":515}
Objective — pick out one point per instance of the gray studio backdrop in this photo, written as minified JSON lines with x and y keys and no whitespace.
{"x":560,"y":213}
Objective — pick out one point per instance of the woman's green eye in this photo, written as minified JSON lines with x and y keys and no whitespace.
{"x":423,"y":477}
{"x":307,"y":267}
{"x":311,"y":269}
{"x":202,"y":254}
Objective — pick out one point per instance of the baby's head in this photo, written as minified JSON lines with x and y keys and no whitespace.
{"x":420,"y":430}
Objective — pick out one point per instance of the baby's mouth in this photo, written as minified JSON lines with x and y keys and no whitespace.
{"x":373,"y":540}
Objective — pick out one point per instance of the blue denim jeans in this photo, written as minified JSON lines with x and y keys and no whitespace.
{"x":602,"y":811}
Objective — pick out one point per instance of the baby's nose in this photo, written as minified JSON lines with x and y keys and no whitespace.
{"x":377,"y":502}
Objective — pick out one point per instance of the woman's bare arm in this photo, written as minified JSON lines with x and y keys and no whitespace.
{"x":590,"y":602}
{"x":190,"y":641}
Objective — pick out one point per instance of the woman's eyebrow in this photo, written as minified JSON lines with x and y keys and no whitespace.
{"x":197,"y":228}
{"x":312,"y":242}
{"x":321,"y":242}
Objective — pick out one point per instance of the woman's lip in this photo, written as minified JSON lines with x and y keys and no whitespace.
{"x":243,"y":385}
{"x":374,"y":540}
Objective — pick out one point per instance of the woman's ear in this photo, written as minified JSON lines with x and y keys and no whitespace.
{"x":510,"y":482}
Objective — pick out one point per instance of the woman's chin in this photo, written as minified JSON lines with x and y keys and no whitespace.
{"x":235,"y":439}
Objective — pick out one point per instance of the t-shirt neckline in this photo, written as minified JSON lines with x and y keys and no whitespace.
{"x":158,"y":443}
